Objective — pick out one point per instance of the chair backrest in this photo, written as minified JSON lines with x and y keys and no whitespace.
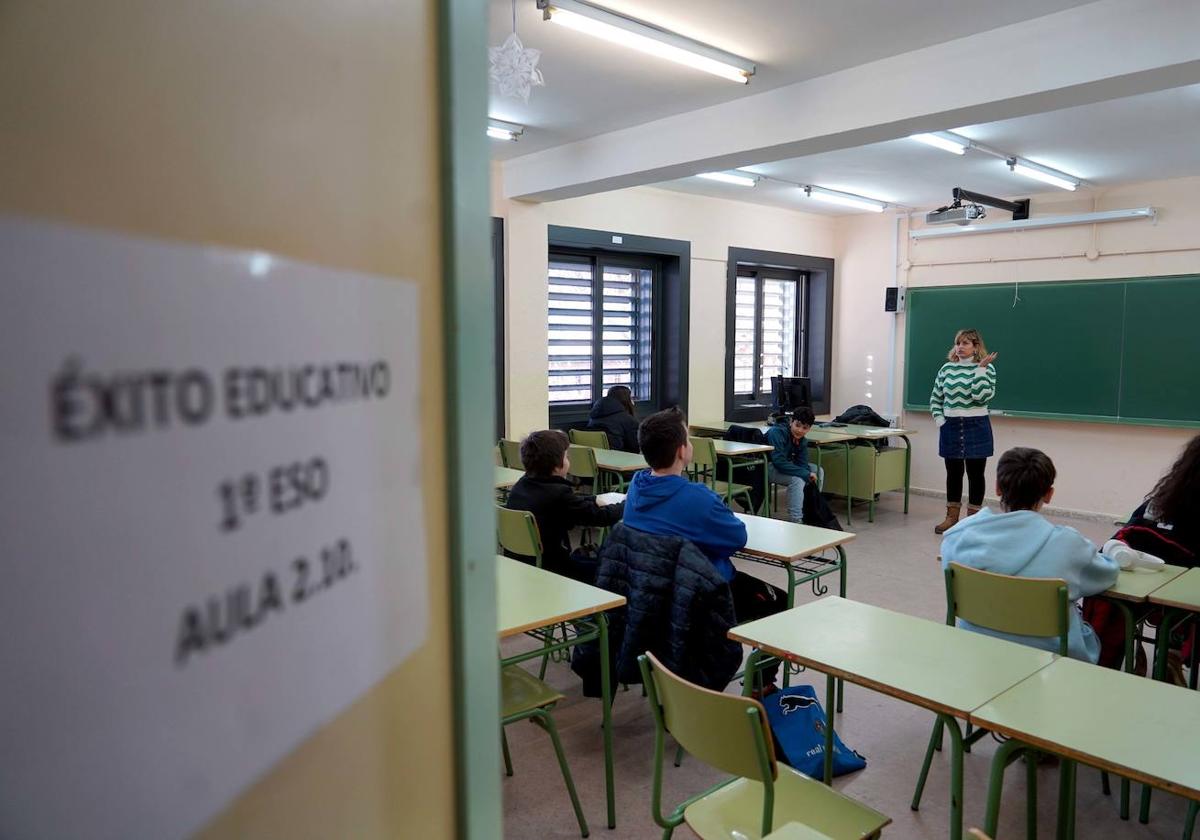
{"x":589,"y":437}
{"x":583,"y":461}
{"x":510,"y":454}
{"x":726,"y":731}
{"x":704,"y":453}
{"x":517,"y":531}
{"x":1007,"y":604}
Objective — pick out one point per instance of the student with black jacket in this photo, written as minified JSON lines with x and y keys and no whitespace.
{"x":548,"y":493}
{"x":613,"y":415}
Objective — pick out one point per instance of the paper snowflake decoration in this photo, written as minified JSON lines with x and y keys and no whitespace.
{"x":514,"y":68}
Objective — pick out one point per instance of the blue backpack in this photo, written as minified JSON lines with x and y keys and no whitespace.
{"x":798,"y":724}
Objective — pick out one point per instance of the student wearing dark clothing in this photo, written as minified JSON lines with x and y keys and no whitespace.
{"x":613,"y":415}
{"x":547,"y":492}
{"x":1167,"y":523}
{"x":661,"y":501}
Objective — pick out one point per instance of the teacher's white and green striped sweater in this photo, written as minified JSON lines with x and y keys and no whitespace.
{"x":962,"y":389}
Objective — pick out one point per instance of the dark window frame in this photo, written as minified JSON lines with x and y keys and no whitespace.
{"x":498,"y":280}
{"x":670,"y":306}
{"x":814,"y":327}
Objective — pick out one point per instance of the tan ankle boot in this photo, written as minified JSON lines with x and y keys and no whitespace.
{"x":951,"y":517}
{"x":972,"y":510}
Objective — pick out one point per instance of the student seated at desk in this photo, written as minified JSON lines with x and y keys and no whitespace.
{"x":547,"y":492}
{"x":1020,"y":542}
{"x":613,"y":415}
{"x":661,"y":501}
{"x":1167,"y":523}
{"x":789,"y":462}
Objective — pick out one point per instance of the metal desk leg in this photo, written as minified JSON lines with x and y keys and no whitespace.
{"x":1004,"y":755}
{"x":956,"y":776}
{"x":829,"y":692}
{"x":841,"y":591}
{"x":907,"y":468}
{"x":849,"y":489}
{"x":1162,"y":644}
{"x":1130,"y":662}
{"x":766,"y":502}
{"x":606,"y":713}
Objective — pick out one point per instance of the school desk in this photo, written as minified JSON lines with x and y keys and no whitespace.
{"x":621,"y":465}
{"x":950,"y":672}
{"x":794,"y":548}
{"x":869,"y":470}
{"x":1137,"y":728}
{"x":529,"y":598}
{"x":506,"y":477}
{"x":735,"y":453}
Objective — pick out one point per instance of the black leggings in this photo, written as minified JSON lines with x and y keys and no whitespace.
{"x":954,"y":474}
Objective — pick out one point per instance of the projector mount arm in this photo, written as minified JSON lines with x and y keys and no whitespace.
{"x":1019,"y":209}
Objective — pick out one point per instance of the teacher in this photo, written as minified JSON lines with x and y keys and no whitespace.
{"x":959,"y":402}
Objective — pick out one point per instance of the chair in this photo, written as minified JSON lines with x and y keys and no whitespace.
{"x":731,"y":733}
{"x":525,"y":697}
{"x":583,"y":465}
{"x":704,"y":467}
{"x":517,"y":532}
{"x":510,"y":454}
{"x":1006,"y":604}
{"x":587,"y":437}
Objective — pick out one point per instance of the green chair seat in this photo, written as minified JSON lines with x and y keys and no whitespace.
{"x":521,"y":691}
{"x":724,"y":488}
{"x":735,"y":810}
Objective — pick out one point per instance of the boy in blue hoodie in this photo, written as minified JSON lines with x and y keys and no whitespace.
{"x":661,"y":501}
{"x":1021,"y":542}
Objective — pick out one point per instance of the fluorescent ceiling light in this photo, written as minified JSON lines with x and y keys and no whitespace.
{"x":1040,"y":222}
{"x":646,"y":38}
{"x":858,"y":202}
{"x":730,"y":178}
{"x":945,"y":140}
{"x":1042,"y":173}
{"x":500,"y":130}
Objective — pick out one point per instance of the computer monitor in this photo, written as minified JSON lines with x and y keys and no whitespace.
{"x":790,"y":392}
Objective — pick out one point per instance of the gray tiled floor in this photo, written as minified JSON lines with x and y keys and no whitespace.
{"x":891,"y":565}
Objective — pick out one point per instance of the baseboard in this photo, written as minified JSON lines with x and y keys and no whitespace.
{"x":1052,"y":510}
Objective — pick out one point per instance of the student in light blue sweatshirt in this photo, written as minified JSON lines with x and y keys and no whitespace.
{"x":1019,"y":541}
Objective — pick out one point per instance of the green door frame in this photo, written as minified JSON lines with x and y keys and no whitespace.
{"x":468,"y":307}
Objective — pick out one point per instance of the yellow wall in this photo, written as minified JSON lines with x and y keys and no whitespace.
{"x":711,"y":225}
{"x":301,"y":127}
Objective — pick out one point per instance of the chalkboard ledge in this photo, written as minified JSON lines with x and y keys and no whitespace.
{"x":1081,"y":418}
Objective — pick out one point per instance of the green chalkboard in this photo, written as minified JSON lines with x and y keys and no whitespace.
{"x":1106,"y":351}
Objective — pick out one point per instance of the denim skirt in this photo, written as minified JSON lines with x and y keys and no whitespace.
{"x":965,"y":437}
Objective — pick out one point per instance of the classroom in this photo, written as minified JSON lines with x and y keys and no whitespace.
{"x":787,"y":408}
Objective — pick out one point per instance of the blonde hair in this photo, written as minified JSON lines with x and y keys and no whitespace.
{"x":974,"y":337}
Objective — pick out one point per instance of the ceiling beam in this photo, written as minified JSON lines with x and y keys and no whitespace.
{"x":1104,"y":50}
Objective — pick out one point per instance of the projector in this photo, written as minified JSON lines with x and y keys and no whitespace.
{"x":960,"y":215}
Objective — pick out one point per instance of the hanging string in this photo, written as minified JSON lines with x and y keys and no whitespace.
{"x":1016,"y":293}
{"x":514,"y":11}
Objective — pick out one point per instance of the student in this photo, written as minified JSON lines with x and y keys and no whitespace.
{"x":1020,"y":542}
{"x":661,"y":501}
{"x":1167,"y":523}
{"x":789,"y":460}
{"x":961,"y":391}
{"x":613,"y":415}
{"x":547,"y":492}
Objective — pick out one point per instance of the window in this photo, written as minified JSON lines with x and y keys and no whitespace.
{"x":768,"y":331}
{"x":600,"y":320}
{"x":778,"y":322}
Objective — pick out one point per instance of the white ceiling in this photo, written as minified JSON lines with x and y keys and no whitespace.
{"x":1138,"y":138}
{"x":593,"y":87}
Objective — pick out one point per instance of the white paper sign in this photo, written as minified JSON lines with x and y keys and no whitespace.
{"x":210,"y":515}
